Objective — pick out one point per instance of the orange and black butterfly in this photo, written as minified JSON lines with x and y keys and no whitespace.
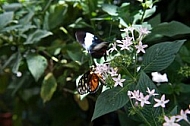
{"x":89,"y":83}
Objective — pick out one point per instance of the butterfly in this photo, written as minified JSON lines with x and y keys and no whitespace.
{"x":89,"y":82}
{"x":95,"y":47}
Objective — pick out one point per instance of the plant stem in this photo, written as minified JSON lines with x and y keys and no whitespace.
{"x":128,"y":73}
{"x":140,"y":114}
{"x":142,"y":18}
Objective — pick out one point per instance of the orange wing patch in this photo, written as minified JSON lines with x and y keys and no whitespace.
{"x":88,"y":83}
{"x":93,"y":82}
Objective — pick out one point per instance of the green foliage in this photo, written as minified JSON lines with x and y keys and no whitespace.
{"x":37,"y":65}
{"x":6,"y":18}
{"x":149,"y":111}
{"x":49,"y":85}
{"x":109,"y":101}
{"x":160,"y":56}
{"x":37,"y":36}
{"x":165,"y":29}
{"x":40,"y":60}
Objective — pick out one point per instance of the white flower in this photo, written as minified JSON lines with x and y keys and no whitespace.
{"x":125,"y":44}
{"x":134,"y":95}
{"x":157,"y":77}
{"x":151,"y":93}
{"x":183,"y":115}
{"x":129,"y":93}
{"x":113,"y":47}
{"x":170,"y":122}
{"x":118,"y":81}
{"x":140,"y":47}
{"x":143,"y":31}
{"x":113,"y":72}
{"x":143,"y":99}
{"x":130,"y":28}
{"x":101,"y":68}
{"x":161,"y":102}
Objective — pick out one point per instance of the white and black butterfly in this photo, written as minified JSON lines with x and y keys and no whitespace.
{"x":95,"y":47}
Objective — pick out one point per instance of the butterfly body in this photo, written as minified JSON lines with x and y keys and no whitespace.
{"x":95,"y":47}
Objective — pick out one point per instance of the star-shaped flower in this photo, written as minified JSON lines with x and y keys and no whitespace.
{"x":143,"y":31}
{"x":140,"y":47}
{"x":101,"y":68}
{"x":134,"y":95}
{"x":125,"y":44}
{"x":118,"y":81}
{"x":113,"y":47}
{"x":113,"y":72}
{"x":129,"y":28}
{"x":170,"y":122}
{"x":161,"y":102}
{"x":151,"y":93}
{"x":183,"y":115}
{"x":143,"y":99}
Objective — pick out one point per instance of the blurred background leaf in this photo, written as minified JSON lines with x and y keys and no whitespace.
{"x":40,"y":59}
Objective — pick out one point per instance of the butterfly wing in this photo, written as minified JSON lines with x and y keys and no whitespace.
{"x":88,"y":83}
{"x":93,"y":83}
{"x":99,"y":50}
{"x":80,"y":36}
{"x":82,"y":86}
{"x":92,"y":44}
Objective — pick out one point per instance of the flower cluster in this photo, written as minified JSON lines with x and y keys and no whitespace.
{"x":142,"y":100}
{"x":106,"y":71}
{"x":139,"y":97}
{"x":173,"y":120}
{"x":185,"y":71}
{"x":130,"y":42}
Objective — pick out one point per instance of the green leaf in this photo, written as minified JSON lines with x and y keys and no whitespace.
{"x":37,"y":65}
{"x":174,"y":110}
{"x":11,"y":27}
{"x":11,"y":6}
{"x":166,"y":89}
{"x":184,"y":88}
{"x":110,"y":9}
{"x":17,"y":62}
{"x":57,"y":15}
{"x":10,"y":61}
{"x":37,"y":36}
{"x":49,"y":86}
{"x":27,"y":18}
{"x":79,"y":23}
{"x":149,"y":12}
{"x":124,"y":119}
{"x":144,"y":82}
{"x":74,"y":57}
{"x":160,"y":56}
{"x":5,"y":19}
{"x":185,"y":54}
{"x":19,"y":82}
{"x":171,"y":29}
{"x":148,"y":111}
{"x":109,"y":101}
{"x":155,"y":20}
